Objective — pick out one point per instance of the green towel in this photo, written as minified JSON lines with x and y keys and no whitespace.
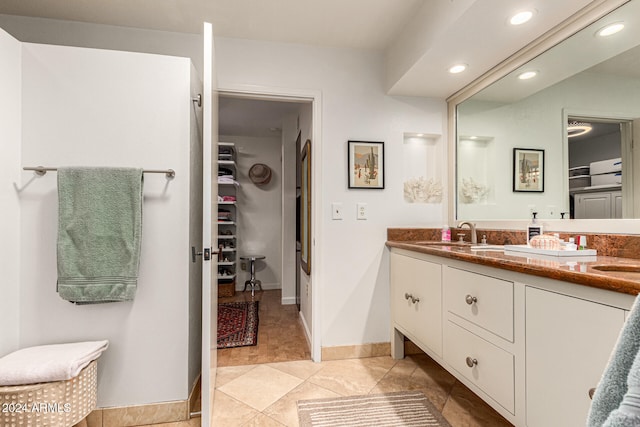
{"x":99,"y":233}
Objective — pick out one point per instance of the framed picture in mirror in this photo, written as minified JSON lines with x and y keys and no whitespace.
{"x":528,"y":170}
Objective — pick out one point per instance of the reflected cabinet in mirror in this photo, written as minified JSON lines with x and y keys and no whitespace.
{"x":580,"y":105}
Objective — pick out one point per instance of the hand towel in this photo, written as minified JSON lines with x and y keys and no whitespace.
{"x":99,"y":233}
{"x":613,"y":385}
{"x":47,"y":363}
{"x":628,"y":413}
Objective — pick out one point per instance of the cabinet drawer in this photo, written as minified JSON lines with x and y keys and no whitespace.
{"x":416,"y":300}
{"x":482,"y":300}
{"x":492,"y":368}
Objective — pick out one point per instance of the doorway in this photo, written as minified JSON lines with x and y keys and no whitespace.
{"x":600,"y":167}
{"x":264,"y":131}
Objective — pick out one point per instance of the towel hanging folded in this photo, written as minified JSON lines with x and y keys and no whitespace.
{"x":99,"y":233}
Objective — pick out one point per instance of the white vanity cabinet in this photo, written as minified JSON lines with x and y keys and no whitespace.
{"x":479,"y":330}
{"x":531,"y":347}
{"x":568,"y":343}
{"x":416,"y":301}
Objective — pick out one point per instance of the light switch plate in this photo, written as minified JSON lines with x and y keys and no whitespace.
{"x":336,"y":210}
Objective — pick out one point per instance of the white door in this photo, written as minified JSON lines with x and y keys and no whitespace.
{"x":209,"y":288}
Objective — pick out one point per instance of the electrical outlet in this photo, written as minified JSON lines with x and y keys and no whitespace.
{"x":532,"y":209}
{"x":336,"y":211}
{"x":243,"y":266}
{"x":361,"y":211}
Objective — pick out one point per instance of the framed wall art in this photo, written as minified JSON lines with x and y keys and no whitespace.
{"x":528,"y":170}
{"x":366,"y":164}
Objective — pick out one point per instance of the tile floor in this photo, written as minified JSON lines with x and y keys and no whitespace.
{"x":259,"y":386}
{"x":266,"y":394}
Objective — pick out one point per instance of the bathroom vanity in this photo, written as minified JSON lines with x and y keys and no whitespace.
{"x":531,"y":336}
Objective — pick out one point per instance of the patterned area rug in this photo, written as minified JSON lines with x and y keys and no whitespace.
{"x":404,"y":408}
{"x":237,"y":324}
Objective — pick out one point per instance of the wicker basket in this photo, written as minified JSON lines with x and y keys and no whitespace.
{"x":59,"y":403}
{"x":227,"y":289}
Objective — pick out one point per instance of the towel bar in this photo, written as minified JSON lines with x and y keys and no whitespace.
{"x":41,"y":170}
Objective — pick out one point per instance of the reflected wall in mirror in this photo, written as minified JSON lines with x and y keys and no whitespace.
{"x":585,"y":78}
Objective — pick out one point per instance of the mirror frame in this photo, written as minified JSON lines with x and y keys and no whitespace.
{"x":305,"y":207}
{"x":564,"y":30}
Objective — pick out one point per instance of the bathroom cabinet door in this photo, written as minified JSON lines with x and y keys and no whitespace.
{"x":416,"y":301}
{"x":595,"y":205}
{"x":568,"y":343}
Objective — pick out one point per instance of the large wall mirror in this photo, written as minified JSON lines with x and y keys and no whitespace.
{"x":587,"y":81}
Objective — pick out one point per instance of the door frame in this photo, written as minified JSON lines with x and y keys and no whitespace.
{"x":315,"y":97}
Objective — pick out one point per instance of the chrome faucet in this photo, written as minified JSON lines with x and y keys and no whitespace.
{"x":472,"y":228}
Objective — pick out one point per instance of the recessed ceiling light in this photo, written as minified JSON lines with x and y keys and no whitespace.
{"x":610,"y":29}
{"x":458,"y":68}
{"x":419,"y":135}
{"x":527,"y":75}
{"x":521,"y":17}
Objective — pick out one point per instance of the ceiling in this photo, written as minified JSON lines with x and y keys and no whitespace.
{"x":253,"y":117}
{"x":420,"y":39}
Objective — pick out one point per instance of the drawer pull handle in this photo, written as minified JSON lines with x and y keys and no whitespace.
{"x":413,"y":299}
{"x":471,"y":362}
{"x":470,"y":300}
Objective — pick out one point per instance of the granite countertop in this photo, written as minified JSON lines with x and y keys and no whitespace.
{"x":574,"y":270}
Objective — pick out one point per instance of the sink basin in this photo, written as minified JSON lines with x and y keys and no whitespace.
{"x":618,"y":268}
{"x":487,"y":248}
{"x":440,"y":243}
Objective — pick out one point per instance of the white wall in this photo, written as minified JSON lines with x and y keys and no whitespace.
{"x":259,"y":229}
{"x":601,"y":147}
{"x":10,"y":134}
{"x":355,"y":286}
{"x":92,"y":107}
{"x":289,"y":135}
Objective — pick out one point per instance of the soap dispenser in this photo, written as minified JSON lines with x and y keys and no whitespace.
{"x":533,"y":229}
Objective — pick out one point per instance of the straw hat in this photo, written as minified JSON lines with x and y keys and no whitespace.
{"x":260,"y":174}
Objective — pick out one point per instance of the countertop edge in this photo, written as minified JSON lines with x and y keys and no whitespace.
{"x":602,"y":280}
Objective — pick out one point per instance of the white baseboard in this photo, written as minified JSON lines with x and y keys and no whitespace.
{"x":288,"y":300}
{"x":307,"y":333}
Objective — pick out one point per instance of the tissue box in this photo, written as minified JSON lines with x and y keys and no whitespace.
{"x":605,"y":166}
{"x":614,"y":178}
